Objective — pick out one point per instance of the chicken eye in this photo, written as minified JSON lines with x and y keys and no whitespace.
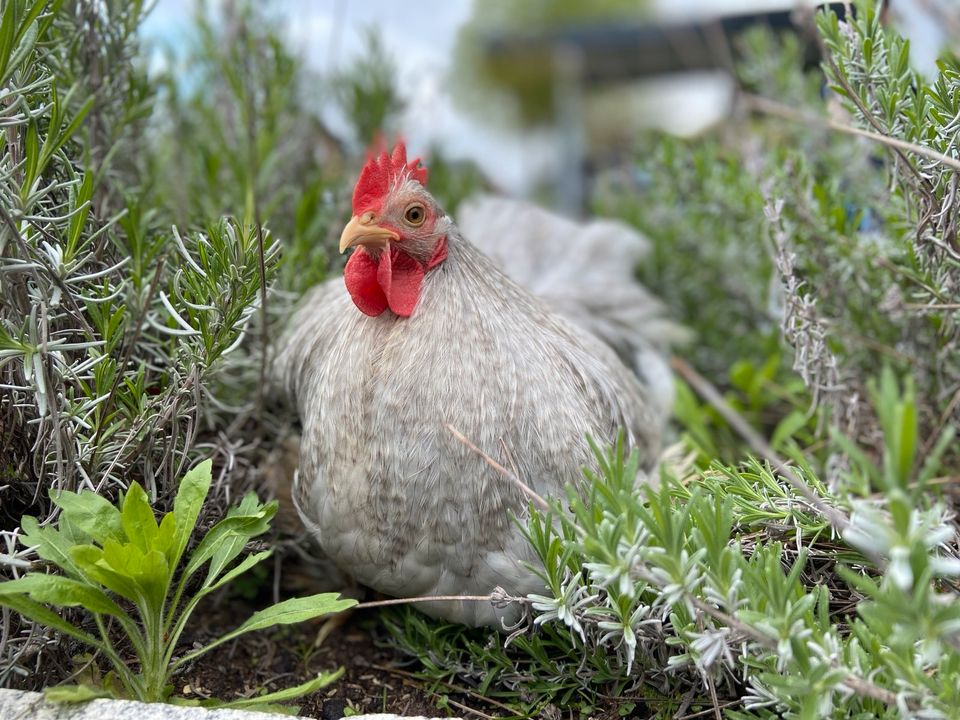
{"x":415,"y":215}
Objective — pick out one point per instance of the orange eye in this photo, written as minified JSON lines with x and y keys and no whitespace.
{"x":415,"y":215}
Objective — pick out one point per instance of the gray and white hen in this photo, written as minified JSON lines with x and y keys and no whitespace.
{"x":519,"y":349}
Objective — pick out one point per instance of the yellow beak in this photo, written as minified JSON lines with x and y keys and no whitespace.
{"x":362,"y":230}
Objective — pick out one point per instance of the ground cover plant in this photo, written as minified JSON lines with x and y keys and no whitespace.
{"x":109,"y":554}
{"x":799,"y":555}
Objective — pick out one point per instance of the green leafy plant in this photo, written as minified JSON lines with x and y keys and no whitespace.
{"x":125,"y":568}
{"x":726,"y":585}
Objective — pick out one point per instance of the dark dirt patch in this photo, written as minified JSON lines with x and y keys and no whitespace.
{"x":376,"y":679}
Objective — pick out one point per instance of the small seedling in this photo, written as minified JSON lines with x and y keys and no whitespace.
{"x":123,"y":567}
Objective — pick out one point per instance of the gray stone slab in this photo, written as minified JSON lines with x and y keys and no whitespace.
{"x":19,"y":705}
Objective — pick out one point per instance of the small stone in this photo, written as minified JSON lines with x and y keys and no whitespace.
{"x":333,"y":709}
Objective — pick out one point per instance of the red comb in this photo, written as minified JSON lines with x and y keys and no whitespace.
{"x":381,"y":172}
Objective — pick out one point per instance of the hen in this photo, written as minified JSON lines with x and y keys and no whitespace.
{"x":425,"y":331}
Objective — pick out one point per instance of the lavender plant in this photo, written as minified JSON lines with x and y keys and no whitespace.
{"x":113,"y":326}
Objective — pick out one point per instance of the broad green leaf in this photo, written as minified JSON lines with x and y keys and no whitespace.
{"x":228,"y":551}
{"x":293,"y":611}
{"x":247,"y":563}
{"x":167,"y":538}
{"x":288,"y":612}
{"x":272,"y":708}
{"x":148,"y":570}
{"x":91,"y":513}
{"x":42,"y":615}
{"x":190,"y":702}
{"x":227,"y":538}
{"x":293,"y":693}
{"x":89,"y":558}
{"x":74,"y":693}
{"x":191,"y":495}
{"x":62,"y":591}
{"x":51,"y":544}
{"x":138,"y":519}
{"x":71,"y":533}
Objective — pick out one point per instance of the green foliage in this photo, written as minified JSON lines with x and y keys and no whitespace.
{"x":367,"y":92}
{"x":257,"y":148}
{"x":726,"y":576}
{"x":769,"y":231}
{"x":916,"y":258}
{"x":818,"y":272}
{"x":704,"y":217}
{"x":113,"y":327}
{"x":120,"y":565}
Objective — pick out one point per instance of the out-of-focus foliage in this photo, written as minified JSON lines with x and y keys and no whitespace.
{"x":453,"y":181}
{"x":504,"y":91}
{"x":704,"y":216}
{"x":235,"y":134}
{"x":368,"y":92}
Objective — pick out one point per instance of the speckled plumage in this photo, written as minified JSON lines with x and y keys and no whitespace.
{"x":390,"y":494}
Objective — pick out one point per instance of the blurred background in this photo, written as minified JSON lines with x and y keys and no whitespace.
{"x":535,"y":94}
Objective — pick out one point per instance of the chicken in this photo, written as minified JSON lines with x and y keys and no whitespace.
{"x":590,"y":283}
{"x":423,"y":333}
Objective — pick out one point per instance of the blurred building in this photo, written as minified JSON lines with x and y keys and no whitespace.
{"x":610,"y":79}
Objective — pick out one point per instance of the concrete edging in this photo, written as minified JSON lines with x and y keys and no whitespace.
{"x":21,"y":705}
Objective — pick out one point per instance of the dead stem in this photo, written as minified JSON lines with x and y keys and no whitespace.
{"x":767,"y":106}
{"x":425,"y":598}
{"x":526,"y":489}
{"x":839,"y":521}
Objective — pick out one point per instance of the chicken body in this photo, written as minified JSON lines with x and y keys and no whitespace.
{"x":388,"y":491}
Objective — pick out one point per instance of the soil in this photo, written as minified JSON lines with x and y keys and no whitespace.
{"x":376,"y":679}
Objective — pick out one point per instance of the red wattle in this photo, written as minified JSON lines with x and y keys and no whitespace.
{"x":400,"y":277}
{"x":360,"y":277}
{"x":394,"y":280}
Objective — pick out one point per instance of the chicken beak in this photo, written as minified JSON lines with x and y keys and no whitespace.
{"x":362,"y":230}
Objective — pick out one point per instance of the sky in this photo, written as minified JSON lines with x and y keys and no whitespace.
{"x":420,"y":35}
